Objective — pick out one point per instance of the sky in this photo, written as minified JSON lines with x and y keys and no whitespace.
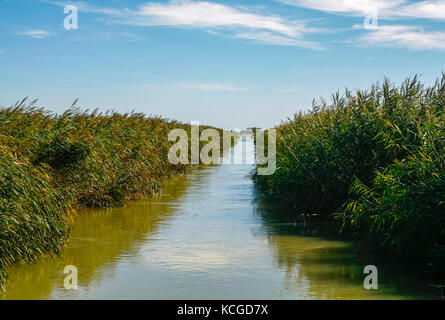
{"x":231,"y":64}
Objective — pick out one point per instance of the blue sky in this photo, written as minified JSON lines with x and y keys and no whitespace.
{"x":225,"y":63}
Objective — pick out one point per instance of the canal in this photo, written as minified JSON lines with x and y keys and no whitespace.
{"x":205,"y":237}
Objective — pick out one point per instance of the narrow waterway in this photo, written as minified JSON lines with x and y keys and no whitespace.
{"x":204,"y":237}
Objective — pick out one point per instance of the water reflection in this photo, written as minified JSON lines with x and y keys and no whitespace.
{"x":204,"y":237}
{"x":320,"y":266}
{"x":99,"y":239}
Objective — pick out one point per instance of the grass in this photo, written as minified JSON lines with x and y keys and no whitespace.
{"x":372,"y":161}
{"x":52,"y":165}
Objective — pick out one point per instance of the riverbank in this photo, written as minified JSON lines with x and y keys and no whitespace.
{"x":53,"y":165}
{"x":373,"y":162}
{"x":204,"y":237}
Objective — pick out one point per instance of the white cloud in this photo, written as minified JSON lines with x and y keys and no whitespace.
{"x":289,"y":89}
{"x":424,"y":9}
{"x":411,"y":37}
{"x":274,"y":39}
{"x":260,"y":28}
{"x":213,"y":17}
{"x":414,"y":38}
{"x":352,"y":7}
{"x":386,"y":9}
{"x":212,"y":86}
{"x":235,"y":22}
{"x":36,"y":34}
{"x":85,"y":7}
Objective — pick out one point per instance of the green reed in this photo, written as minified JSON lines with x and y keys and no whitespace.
{"x":51,"y":165}
{"x":374,"y":162}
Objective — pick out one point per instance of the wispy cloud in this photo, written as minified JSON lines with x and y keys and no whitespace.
{"x":260,"y":28}
{"x":212,"y":86}
{"x":289,"y":89}
{"x":351,"y":7}
{"x":414,"y":38}
{"x":237,"y":22}
{"x":275,"y":39}
{"x":86,"y":7}
{"x":35,"y":34}
{"x":424,"y":9}
{"x":386,"y":9}
{"x":96,"y":36}
{"x":403,"y":36}
{"x":211,"y":15}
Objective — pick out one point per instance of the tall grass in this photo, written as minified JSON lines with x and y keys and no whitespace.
{"x":32,"y":212}
{"x":52,"y":165}
{"x":373,"y":159}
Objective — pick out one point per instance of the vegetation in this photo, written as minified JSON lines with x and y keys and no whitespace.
{"x":51,"y":165}
{"x":374,"y":162}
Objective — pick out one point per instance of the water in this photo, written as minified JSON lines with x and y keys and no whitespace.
{"x":203,"y":237}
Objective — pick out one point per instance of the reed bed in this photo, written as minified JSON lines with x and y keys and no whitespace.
{"x":52,"y":165}
{"x":374,"y":163}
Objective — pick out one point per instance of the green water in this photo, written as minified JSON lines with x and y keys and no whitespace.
{"x":203,"y":237}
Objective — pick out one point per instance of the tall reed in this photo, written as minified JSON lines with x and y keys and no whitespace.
{"x":374,"y":162}
{"x":52,"y":165}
